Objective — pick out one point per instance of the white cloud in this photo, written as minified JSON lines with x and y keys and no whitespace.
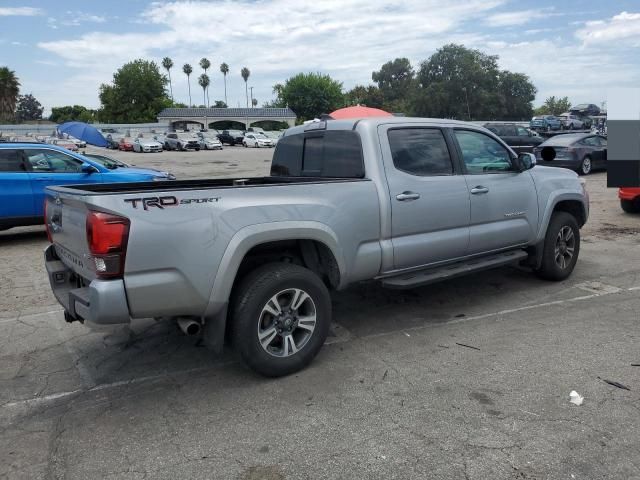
{"x":508,"y":19}
{"x":622,"y":27}
{"x":347,"y":38}
{"x":20,"y":11}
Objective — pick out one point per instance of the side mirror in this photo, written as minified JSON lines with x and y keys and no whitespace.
{"x":526,"y":160}
{"x":87,"y":168}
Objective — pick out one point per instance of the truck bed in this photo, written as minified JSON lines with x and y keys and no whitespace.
{"x":184,"y":185}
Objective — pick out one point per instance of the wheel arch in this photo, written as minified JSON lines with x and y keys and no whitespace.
{"x":567,"y":202}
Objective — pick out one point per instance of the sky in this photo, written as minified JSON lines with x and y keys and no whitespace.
{"x":63,"y":51}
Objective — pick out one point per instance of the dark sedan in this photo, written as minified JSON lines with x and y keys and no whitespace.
{"x":576,"y":151}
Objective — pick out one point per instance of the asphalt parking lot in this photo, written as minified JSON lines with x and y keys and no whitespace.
{"x":465,"y":379}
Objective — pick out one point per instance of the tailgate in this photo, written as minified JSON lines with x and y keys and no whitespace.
{"x":65,"y":217}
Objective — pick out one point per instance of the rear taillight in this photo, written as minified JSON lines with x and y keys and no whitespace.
{"x":46,"y":223}
{"x":107,"y":236}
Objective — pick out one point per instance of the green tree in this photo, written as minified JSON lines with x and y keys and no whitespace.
{"x":69,"y":113}
{"x":28,"y":108}
{"x":245,"y":72}
{"x":224,"y":69}
{"x":219,"y":104}
{"x":206,"y":64}
{"x":516,"y":94}
{"x":310,"y":95}
{"x":370,"y":96}
{"x":167,"y":64}
{"x":203,"y":81}
{"x":458,"y":82}
{"x":186,"y":68}
{"x":137,"y":94}
{"x":553,"y":106}
{"x":9,"y":90}
{"x":254,"y":102}
{"x":395,"y":80}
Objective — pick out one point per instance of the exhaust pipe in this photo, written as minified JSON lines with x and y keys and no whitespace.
{"x":189,"y":326}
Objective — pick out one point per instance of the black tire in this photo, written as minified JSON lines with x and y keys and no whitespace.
{"x":550,"y":268}
{"x":586,"y":166}
{"x":630,"y":206}
{"x":250,"y":299}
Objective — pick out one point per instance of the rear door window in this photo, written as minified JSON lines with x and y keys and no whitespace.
{"x":51,"y":161}
{"x":420,"y":151}
{"x":10,"y":161}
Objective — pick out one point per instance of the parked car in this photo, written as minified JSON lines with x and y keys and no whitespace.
{"x":257,"y":140}
{"x":402,"y":200}
{"x":255,"y":130}
{"x":181,"y":141}
{"x":630,"y":199}
{"x":571,"y":122}
{"x":26,"y":169}
{"x":545,"y":123}
{"x":585,"y":109}
{"x":77,"y":142}
{"x":516,"y":136}
{"x":125,"y":145}
{"x":231,"y":137}
{"x":61,"y":142}
{"x":112,"y":163}
{"x":577,"y":151}
{"x":274,"y":136}
{"x":209,"y":141}
{"x":146,"y":145}
{"x":113,"y":142}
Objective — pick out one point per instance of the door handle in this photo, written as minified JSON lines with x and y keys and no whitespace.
{"x":479,"y":189}
{"x":407,"y":196}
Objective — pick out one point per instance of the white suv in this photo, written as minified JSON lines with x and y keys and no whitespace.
{"x":571,"y":122}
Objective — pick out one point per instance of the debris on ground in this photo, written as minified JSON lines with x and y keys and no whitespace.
{"x":467,"y":346}
{"x":615,"y":384}
{"x":576,"y":398}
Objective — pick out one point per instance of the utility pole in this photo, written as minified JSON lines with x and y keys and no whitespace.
{"x":467,"y":98}
{"x":251,"y":88}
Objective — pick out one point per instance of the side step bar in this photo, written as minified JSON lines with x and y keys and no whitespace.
{"x":436,"y":274}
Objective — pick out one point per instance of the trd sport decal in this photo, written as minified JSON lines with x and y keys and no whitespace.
{"x":169,"y":201}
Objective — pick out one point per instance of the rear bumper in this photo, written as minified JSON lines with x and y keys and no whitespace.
{"x":629,"y":193}
{"x":103,"y":302}
{"x":570,"y":164}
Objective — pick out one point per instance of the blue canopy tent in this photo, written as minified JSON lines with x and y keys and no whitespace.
{"x":83,"y":131}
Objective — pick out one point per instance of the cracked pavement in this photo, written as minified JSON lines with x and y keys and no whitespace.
{"x":392,"y":395}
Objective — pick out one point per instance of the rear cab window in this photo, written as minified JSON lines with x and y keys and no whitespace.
{"x":329,"y":153}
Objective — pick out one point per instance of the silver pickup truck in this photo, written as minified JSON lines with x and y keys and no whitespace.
{"x":405,"y":201}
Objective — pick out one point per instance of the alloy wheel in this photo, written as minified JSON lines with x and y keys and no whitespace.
{"x":565,"y":247}
{"x":287,"y":322}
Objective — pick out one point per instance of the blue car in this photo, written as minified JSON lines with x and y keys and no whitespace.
{"x":26,"y":169}
{"x":545,"y":123}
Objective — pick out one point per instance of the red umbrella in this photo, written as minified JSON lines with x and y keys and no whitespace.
{"x":358,"y":112}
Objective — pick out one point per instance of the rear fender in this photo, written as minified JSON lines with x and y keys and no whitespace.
{"x":253,"y":235}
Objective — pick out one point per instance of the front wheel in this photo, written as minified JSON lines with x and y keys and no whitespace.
{"x":561,"y":247}
{"x":630,"y":206}
{"x":281,"y":318}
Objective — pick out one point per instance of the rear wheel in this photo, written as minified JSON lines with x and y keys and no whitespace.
{"x":281,"y":318}
{"x":586,"y":166}
{"x":630,"y":206}
{"x":561,"y":247}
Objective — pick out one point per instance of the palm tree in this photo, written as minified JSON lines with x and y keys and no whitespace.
{"x":205,"y":64}
{"x":9,"y":89}
{"x":245,"y":75}
{"x":186,"y":68}
{"x":203,"y":81}
{"x":167,"y":63}
{"x":224,"y":68}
